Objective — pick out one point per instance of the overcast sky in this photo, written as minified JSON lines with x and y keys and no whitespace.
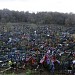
{"x":39,"y":5}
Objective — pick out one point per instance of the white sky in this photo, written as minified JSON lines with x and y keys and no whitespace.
{"x":39,"y":5}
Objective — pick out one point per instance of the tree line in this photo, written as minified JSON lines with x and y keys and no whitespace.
{"x":37,"y":18}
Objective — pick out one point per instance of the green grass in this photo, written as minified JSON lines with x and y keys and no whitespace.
{"x":13,"y":74}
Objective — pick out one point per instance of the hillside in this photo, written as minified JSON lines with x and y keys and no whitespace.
{"x":25,"y":27}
